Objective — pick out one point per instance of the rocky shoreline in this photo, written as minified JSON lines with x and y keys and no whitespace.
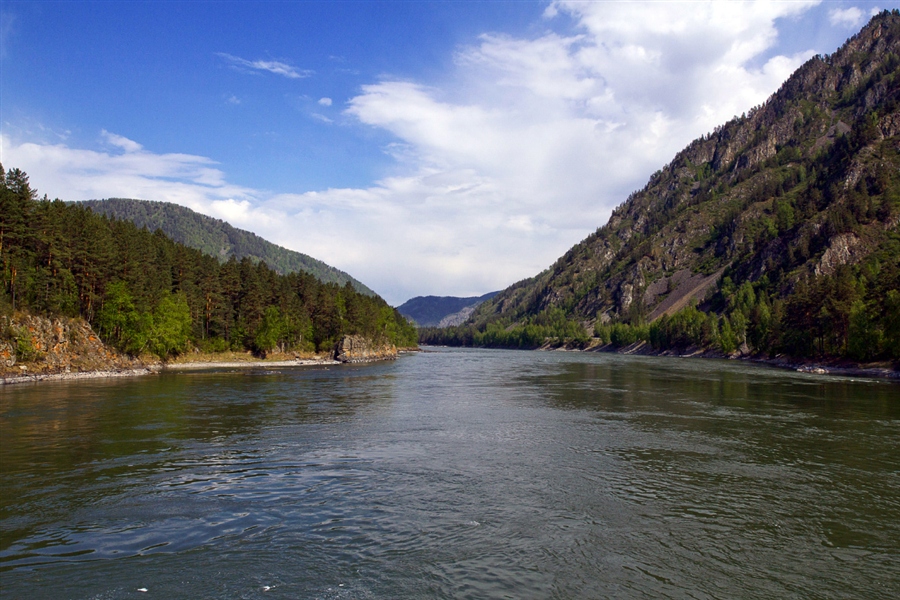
{"x":821,"y":367}
{"x":157,"y":368}
{"x":77,"y":375}
{"x":35,"y":348}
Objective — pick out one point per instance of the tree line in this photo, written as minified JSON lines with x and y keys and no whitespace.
{"x":853,"y":313}
{"x":142,"y":292}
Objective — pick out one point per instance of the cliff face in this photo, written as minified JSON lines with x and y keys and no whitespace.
{"x":357,"y":349}
{"x":801,"y":185}
{"x":32,"y":345}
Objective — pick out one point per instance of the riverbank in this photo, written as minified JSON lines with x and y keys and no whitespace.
{"x":189,"y":362}
{"x":35,"y":348}
{"x":838,"y":367}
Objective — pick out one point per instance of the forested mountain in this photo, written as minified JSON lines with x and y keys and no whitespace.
{"x":141,"y":291}
{"x":430,"y":311}
{"x":776,"y":233}
{"x":218,"y":238}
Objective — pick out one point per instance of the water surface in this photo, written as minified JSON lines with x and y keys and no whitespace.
{"x":454,"y":474}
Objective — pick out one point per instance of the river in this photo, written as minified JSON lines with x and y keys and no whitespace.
{"x":454,"y":474}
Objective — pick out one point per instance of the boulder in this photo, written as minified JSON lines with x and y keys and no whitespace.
{"x":359,"y":349}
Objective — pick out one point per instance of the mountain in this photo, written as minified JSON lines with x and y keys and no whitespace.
{"x":217,"y":238}
{"x":776,"y":233}
{"x":431,"y":311}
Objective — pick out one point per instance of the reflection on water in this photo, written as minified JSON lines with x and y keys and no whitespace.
{"x":454,"y":474}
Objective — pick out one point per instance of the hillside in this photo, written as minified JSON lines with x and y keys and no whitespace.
{"x":776,"y":233}
{"x":430,"y":311}
{"x":218,"y":238}
{"x":143,"y":293}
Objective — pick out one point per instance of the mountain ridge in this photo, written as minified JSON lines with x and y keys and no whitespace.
{"x":431,"y":311}
{"x":219,"y":238}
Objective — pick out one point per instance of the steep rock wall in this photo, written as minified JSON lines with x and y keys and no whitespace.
{"x":32,"y":344}
{"x":357,"y":349}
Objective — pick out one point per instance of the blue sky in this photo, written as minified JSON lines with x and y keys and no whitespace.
{"x":447,"y":148}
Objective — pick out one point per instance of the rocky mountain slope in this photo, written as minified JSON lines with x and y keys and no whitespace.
{"x":791,"y":210}
{"x":218,"y":238}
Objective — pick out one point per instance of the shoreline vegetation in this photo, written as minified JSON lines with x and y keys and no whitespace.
{"x":880,"y":369}
{"x":189,"y":362}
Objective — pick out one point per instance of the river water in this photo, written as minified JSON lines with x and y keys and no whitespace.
{"x":454,"y":474}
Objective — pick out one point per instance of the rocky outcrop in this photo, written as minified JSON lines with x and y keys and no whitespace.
{"x":843,"y":249}
{"x":458,"y":318}
{"x":358,"y":349}
{"x":32,"y":345}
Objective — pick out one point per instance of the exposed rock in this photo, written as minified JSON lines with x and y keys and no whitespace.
{"x":842,"y":250}
{"x":357,"y":349}
{"x":458,"y":318}
{"x":687,"y":287}
{"x":31,"y":344}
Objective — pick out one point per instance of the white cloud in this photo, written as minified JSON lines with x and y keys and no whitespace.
{"x":78,"y":174}
{"x":271,"y":66}
{"x":325,"y":101}
{"x":561,"y":128}
{"x":845,"y":17}
{"x":121,"y":142}
{"x":520,"y":152}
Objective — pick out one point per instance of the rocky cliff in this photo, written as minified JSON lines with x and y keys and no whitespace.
{"x":357,"y":349}
{"x":33,"y":345}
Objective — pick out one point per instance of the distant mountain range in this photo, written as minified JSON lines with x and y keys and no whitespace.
{"x":218,"y":238}
{"x":441,"y":311}
{"x":778,"y":233}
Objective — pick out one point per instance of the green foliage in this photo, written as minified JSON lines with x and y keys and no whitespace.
{"x":25,"y":350}
{"x":547,"y":327}
{"x":687,"y":327}
{"x":622,"y":334}
{"x":170,"y":326}
{"x":120,"y":323}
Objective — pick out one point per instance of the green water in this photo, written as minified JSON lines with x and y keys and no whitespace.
{"x":454,"y":474}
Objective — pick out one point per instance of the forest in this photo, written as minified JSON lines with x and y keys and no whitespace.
{"x":217,"y":238}
{"x":853,"y":314}
{"x":144,"y":293}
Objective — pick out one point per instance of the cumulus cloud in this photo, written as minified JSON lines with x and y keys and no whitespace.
{"x":560,"y":128}
{"x":325,"y":101}
{"x":126,"y":171}
{"x":845,"y":17}
{"x":518,"y":153}
{"x":121,"y":142}
{"x":271,"y":66}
